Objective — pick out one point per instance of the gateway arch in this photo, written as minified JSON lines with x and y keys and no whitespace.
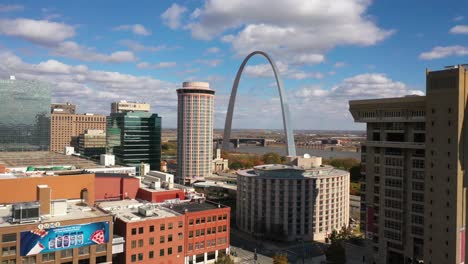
{"x":290,"y":146}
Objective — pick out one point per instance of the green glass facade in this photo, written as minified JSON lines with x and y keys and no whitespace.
{"x":24,"y":115}
{"x":135,"y":137}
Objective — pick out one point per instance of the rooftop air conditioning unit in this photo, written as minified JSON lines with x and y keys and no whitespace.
{"x":25,"y":212}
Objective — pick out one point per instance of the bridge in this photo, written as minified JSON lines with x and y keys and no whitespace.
{"x":238,"y":141}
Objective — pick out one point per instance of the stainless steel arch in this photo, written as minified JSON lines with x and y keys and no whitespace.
{"x":290,"y":145}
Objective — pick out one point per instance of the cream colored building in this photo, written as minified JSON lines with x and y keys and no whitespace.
{"x":124,"y":106}
{"x":220,"y":164}
{"x":287,"y":202}
{"x":414,"y":194}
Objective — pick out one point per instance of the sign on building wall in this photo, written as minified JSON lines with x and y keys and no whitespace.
{"x":43,"y":240}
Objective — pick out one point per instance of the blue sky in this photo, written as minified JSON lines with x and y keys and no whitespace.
{"x":328,"y":52}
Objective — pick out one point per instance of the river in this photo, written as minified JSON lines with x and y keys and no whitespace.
{"x":300,"y":151}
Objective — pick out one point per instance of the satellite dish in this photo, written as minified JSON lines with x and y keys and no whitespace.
{"x":306,"y":156}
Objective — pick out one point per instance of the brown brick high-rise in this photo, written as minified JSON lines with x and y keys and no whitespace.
{"x":65,"y":128}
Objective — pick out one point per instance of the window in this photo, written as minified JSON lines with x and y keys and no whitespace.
{"x":162,"y":227}
{"x":133,"y":231}
{"x":67,"y":253}
{"x":180,"y":235}
{"x":170,"y":226}
{"x":140,"y":230}
{"x":224,"y":216}
{"x":161,"y":252}
{"x":133,"y":258}
{"x":151,"y":229}
{"x":169,"y":238}
{"x":179,"y":249}
{"x":8,"y":251}
{"x":29,"y":260}
{"x":8,"y":237}
{"x":140,"y":243}
{"x":190,"y":234}
{"x":140,"y":256}
{"x":181,"y":224}
{"x":48,"y":256}
{"x":101,"y":248}
{"x":161,"y":239}
{"x":191,"y":222}
{"x":133,"y":243}
{"x":151,"y":240}
{"x":151,"y":254}
{"x":203,"y":220}
{"x":169,"y":251}
{"x":83,"y":250}
{"x":197,"y":221}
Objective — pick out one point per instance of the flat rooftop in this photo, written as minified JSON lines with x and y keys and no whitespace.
{"x":195,"y":207}
{"x":127,"y":210}
{"x":74,"y":211}
{"x":45,"y":158}
{"x":281,"y":171}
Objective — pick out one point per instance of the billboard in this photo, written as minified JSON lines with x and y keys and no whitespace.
{"x":50,"y":238}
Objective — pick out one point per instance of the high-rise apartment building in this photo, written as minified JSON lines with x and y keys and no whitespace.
{"x":24,"y":115}
{"x":413,"y":189}
{"x":124,"y":107}
{"x":135,"y":138}
{"x":66,"y":127}
{"x":194,"y":131}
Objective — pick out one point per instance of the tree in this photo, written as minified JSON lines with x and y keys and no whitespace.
{"x":280,"y":258}
{"x":271,"y":158}
{"x":235,"y":165}
{"x":224,"y":259}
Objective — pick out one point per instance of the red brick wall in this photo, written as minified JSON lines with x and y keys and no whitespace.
{"x":134,"y":240}
{"x":160,"y":196}
{"x":222,"y":220}
{"x":115,"y":188}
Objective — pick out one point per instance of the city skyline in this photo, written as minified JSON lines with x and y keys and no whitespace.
{"x":326,"y":54}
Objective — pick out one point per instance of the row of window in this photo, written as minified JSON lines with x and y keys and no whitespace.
{"x":151,"y":255}
{"x":208,"y":219}
{"x":162,"y":227}
{"x":209,"y":243}
{"x":209,"y":231}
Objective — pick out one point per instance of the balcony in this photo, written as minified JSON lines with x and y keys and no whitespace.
{"x":396,"y":144}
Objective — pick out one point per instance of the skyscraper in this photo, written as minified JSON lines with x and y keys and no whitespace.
{"x":414,"y":194}
{"x":135,"y":138}
{"x":194,"y":131}
{"x":24,"y":115}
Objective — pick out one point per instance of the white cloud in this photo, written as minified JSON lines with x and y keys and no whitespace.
{"x":94,"y":90}
{"x":137,"y":46}
{"x":172,"y":16}
{"x":211,"y":63}
{"x":212,"y":50}
{"x":442,"y":52}
{"x":10,"y":8}
{"x":265,"y":70}
{"x":339,"y":64}
{"x":459,"y":29}
{"x":42,"y":32}
{"x":297,"y":31}
{"x":73,"y":50}
{"x":137,"y":29}
{"x":160,"y":65}
{"x":458,"y":18}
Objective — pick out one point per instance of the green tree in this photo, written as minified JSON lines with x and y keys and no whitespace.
{"x":224,"y":259}
{"x":280,"y":258}
{"x":235,"y":165}
{"x":271,"y":158}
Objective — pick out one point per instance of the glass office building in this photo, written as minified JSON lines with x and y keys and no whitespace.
{"x":135,"y":138}
{"x":24,"y":115}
